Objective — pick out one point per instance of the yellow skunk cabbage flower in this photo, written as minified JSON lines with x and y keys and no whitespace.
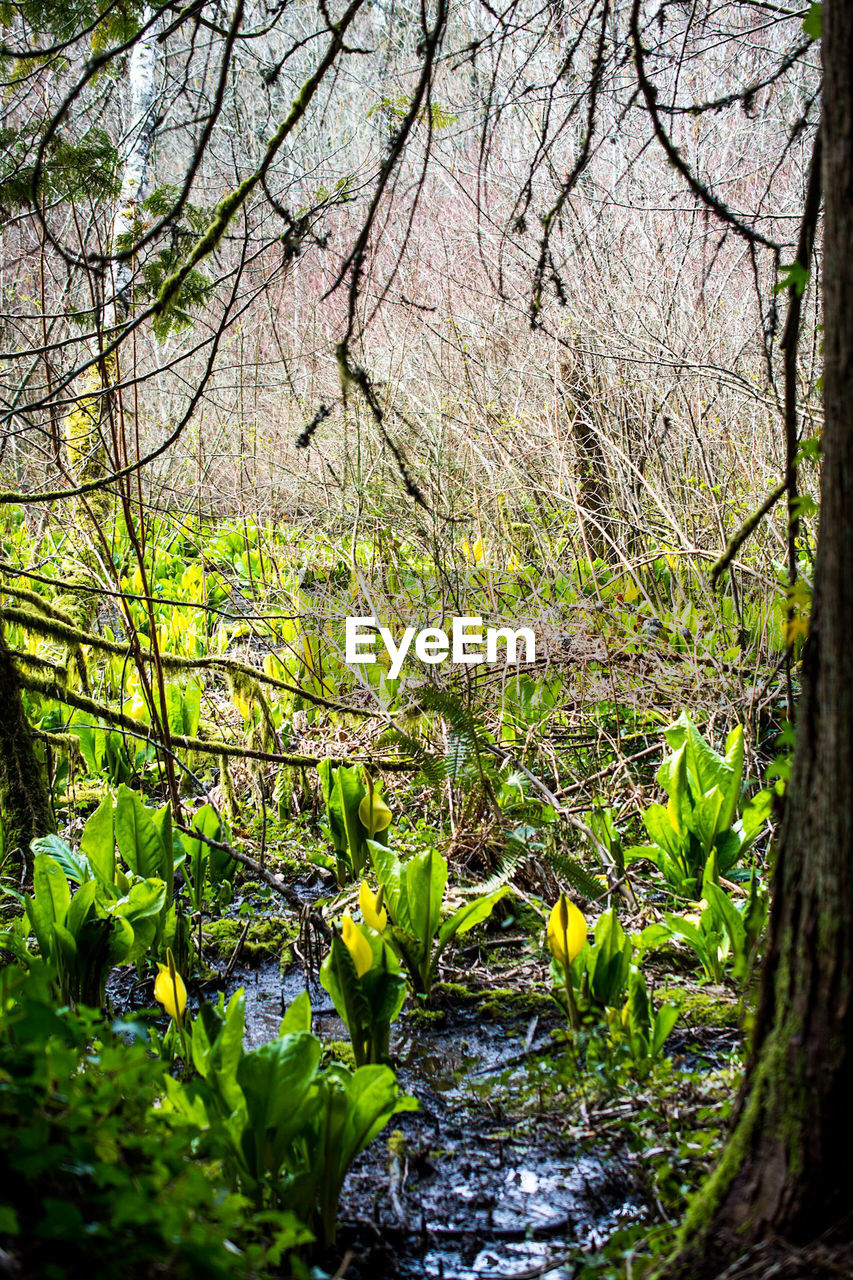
{"x":374,"y":914}
{"x":357,"y":945}
{"x":374,"y":814}
{"x":476,"y":553}
{"x":566,"y":930}
{"x":169,"y":989}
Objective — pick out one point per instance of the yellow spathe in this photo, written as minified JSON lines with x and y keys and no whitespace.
{"x":566,"y":930}
{"x":169,"y":989}
{"x":373,"y":913}
{"x":357,"y":945}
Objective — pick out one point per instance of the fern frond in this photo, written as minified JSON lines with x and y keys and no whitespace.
{"x":570,"y":870}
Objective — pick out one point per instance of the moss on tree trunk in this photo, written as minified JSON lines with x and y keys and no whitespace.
{"x":782,"y":1175}
{"x":24,"y":795}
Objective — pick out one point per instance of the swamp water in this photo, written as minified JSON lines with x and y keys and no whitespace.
{"x":472,"y":1185}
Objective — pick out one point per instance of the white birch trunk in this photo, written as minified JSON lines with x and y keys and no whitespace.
{"x":142,"y":75}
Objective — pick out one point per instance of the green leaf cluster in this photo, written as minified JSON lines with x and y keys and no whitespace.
{"x":368,"y":1003}
{"x":413,"y":894}
{"x":287,"y":1128}
{"x":719,"y":933}
{"x":343,"y":789}
{"x":96,"y":1178}
{"x":117,"y":914}
{"x":701,"y":818}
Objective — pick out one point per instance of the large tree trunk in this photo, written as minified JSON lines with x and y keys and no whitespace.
{"x":24,"y":796}
{"x":785,"y":1170}
{"x":94,"y":425}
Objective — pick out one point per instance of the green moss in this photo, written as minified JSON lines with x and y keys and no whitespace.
{"x":507,"y":1002}
{"x":445,"y":993}
{"x":708,"y":1200}
{"x":700,"y":1008}
{"x":25,"y":803}
{"x":339,"y":1051}
{"x":397,"y":1145}
{"x":87,"y":795}
{"x":268,"y":938}
{"x":427,"y":1017}
{"x":291,"y":866}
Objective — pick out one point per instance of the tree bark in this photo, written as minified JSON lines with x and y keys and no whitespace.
{"x":782,"y":1174}
{"x":582,"y":397}
{"x":24,"y":796}
{"x":142,"y":75}
{"x":92,"y":426}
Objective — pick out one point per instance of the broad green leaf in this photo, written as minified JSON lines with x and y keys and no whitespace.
{"x":123,"y":939}
{"x":175,"y":708}
{"x":86,"y":736}
{"x":297,"y":1016}
{"x":191,"y":710}
{"x":658,"y":822}
{"x":653,"y":936}
{"x":389,"y":873}
{"x":705,"y":819}
{"x":729,"y":848}
{"x":137,"y":837}
{"x":609,"y":960}
{"x":704,"y":764}
{"x":82,"y":905}
{"x":650,"y":852}
{"x":324,"y":773}
{"x":98,"y":841}
{"x":383,"y":985}
{"x":217,"y":1048}
{"x":473,"y":913}
{"x":731,"y":792}
{"x":672,"y":776}
{"x":639,"y":1015}
{"x":425,"y":878}
{"x":347,"y":794}
{"x":275,"y":1080}
{"x":64,"y":945}
{"x":665,"y":1019}
{"x":75,"y":867}
{"x":51,"y":897}
{"x":756,"y":813}
{"x":687,"y":930}
{"x":162,"y":820}
{"x":372,"y":1095}
{"x":202,"y":860}
{"x":731,"y":919}
{"x":339,"y":977}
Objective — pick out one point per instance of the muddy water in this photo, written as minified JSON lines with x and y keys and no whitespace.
{"x":476,"y":1186}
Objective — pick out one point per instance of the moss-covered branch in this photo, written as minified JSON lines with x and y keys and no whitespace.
{"x":212,"y":746}
{"x":230,"y":204}
{"x":60,"y":631}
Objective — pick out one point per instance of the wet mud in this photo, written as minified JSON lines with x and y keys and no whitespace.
{"x":479,"y":1181}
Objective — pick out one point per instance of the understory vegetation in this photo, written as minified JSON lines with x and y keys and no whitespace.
{"x":566,"y":861}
